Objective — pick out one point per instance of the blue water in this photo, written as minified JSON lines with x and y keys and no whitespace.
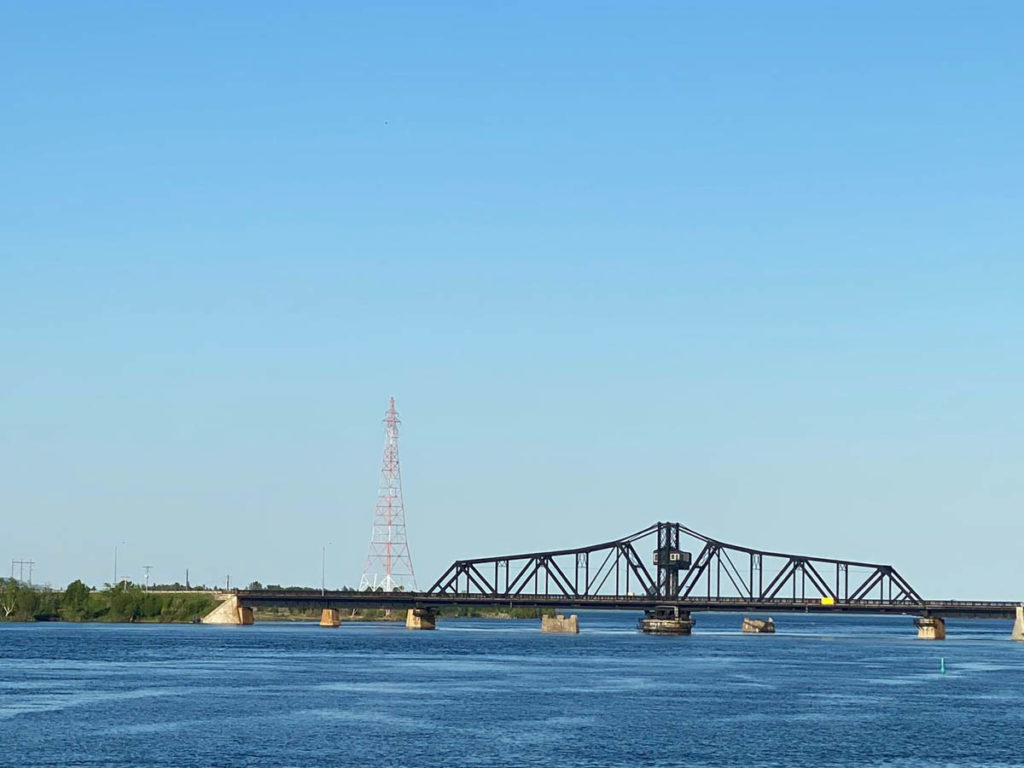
{"x":822,"y":691}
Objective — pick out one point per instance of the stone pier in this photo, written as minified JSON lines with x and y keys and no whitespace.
{"x":231,"y":611}
{"x":559,"y":624}
{"x":420,"y":618}
{"x":759,"y":626}
{"x":930,"y":628}
{"x":330,"y":617}
{"x":1018,"y":624}
{"x":666,"y":620}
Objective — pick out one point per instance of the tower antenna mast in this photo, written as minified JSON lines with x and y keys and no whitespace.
{"x":389,"y":563}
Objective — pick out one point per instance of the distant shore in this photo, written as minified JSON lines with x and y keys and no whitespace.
{"x":177,"y":604}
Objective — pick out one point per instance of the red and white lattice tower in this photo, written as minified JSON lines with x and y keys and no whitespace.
{"x":389,"y":564}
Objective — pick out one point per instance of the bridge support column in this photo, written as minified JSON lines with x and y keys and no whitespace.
{"x":666,"y":620}
{"x":759,"y":626}
{"x":231,"y":611}
{"x":930,"y":628}
{"x":560,"y":625}
{"x":1018,"y":624}
{"x":330,"y":617}
{"x":420,"y":618}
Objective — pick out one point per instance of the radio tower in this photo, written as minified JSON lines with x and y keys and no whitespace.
{"x":388,"y":563}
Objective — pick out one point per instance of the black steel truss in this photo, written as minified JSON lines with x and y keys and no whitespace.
{"x":719,"y":572}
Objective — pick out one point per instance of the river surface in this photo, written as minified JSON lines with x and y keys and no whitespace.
{"x":822,"y":691}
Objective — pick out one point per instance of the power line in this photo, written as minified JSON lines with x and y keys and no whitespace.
{"x":21,"y":569}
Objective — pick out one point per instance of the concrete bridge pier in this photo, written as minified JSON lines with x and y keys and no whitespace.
{"x":758,"y":626}
{"x":930,"y":628}
{"x":421,"y":618}
{"x":560,"y":625}
{"x":330,"y":617}
{"x":231,"y":611}
{"x":667,"y":620}
{"x":1018,"y":624}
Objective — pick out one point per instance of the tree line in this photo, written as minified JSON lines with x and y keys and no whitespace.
{"x":77,"y":602}
{"x":127,"y":602}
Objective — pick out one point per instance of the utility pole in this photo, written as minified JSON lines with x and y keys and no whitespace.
{"x":21,"y":569}
{"x":114,"y":584}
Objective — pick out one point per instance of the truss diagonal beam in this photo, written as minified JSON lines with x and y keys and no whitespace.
{"x":621,"y":573}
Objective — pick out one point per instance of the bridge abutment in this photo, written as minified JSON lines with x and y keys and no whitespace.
{"x":667,"y":620}
{"x":231,"y":611}
{"x":930,"y":628}
{"x":1018,"y":624}
{"x":421,"y":618}
{"x":559,"y":624}
{"x":330,"y":617}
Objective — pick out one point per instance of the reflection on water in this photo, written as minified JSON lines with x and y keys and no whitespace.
{"x":850,"y":691}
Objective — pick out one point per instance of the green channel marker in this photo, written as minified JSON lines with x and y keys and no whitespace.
{"x":942,"y":665}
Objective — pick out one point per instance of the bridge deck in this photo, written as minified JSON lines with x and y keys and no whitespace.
{"x":330,"y":599}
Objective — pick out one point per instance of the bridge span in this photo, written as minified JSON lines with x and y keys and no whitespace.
{"x":614,"y":576}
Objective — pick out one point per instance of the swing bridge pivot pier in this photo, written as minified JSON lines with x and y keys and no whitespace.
{"x":667,"y":571}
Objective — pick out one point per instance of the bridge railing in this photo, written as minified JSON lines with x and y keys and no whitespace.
{"x":644,"y":599}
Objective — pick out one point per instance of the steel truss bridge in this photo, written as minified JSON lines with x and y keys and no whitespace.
{"x":656,"y":568}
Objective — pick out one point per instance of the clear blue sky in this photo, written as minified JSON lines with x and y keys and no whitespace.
{"x":751,"y":266}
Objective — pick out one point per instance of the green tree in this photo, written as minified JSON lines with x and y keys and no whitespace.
{"x":47,"y":607}
{"x":74,"y":606}
{"x":125,"y":603}
{"x":27,"y":603}
{"x":9,"y":589}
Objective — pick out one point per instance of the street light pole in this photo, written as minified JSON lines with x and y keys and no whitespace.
{"x":323,"y":567}
{"x":115,"y":566}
